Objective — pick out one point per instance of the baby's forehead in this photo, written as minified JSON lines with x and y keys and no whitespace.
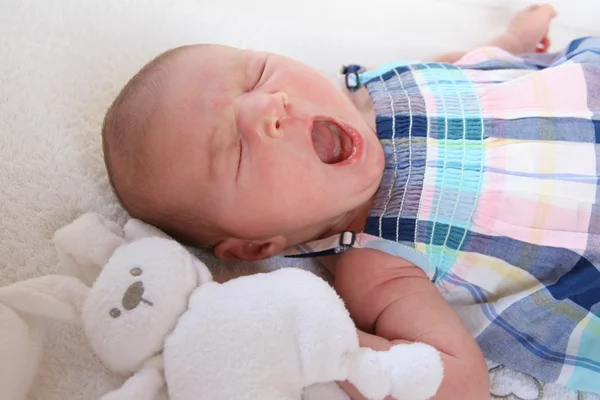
{"x":217,"y":61}
{"x":206,"y":78}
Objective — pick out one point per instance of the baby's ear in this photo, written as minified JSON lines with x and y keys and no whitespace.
{"x":86,"y":244}
{"x":135,"y":229}
{"x":232,"y":249}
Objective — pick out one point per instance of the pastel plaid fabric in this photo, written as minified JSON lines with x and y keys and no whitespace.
{"x":491,"y":177}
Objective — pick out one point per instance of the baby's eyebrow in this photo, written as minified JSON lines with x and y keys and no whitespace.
{"x":218,"y":148}
{"x":254,"y":68}
{"x":210,"y":153}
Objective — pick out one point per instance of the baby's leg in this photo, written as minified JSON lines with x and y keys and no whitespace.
{"x":395,"y":300}
{"x":527,"y":30}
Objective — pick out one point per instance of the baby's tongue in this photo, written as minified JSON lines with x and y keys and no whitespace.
{"x":326,"y":140}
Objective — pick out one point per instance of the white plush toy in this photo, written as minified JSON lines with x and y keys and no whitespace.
{"x":154,"y":313}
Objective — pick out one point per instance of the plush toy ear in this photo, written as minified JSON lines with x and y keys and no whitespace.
{"x":22,"y":330}
{"x":202,"y":270}
{"x":53,"y":296}
{"x":135,"y":229}
{"x":85,"y":245}
{"x":21,"y":343}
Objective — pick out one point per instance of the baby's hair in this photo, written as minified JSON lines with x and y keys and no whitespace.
{"x":129,"y":115}
{"x":124,"y":138}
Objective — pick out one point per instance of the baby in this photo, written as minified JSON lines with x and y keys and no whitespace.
{"x":465,"y":186}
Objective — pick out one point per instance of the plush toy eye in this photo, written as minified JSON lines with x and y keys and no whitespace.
{"x":136,"y":271}
{"x":115,"y":313}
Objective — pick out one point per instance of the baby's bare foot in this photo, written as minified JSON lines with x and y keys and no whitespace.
{"x":531,"y":25}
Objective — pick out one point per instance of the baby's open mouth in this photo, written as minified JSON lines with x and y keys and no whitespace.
{"x":332,"y":144}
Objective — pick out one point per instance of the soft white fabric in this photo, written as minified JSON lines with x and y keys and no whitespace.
{"x":25,"y":309}
{"x":266,"y":336}
{"x":145,"y":384}
{"x":62,"y":62}
{"x":296,"y":324}
{"x":21,"y":342}
{"x":103,"y":236}
{"x":327,"y":390}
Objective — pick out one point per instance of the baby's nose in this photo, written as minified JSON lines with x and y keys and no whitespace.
{"x":263,"y":113}
{"x":133,"y":295}
{"x":277,"y":111}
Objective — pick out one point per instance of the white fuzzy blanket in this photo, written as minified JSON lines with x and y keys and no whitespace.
{"x":63,"y":61}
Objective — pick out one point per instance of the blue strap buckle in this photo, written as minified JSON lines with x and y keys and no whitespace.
{"x":347,"y":239}
{"x":345,"y":242}
{"x":352,"y":76}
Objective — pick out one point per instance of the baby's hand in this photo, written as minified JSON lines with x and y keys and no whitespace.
{"x":531,"y":25}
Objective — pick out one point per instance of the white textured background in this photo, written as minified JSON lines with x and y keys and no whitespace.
{"x":63,"y":61}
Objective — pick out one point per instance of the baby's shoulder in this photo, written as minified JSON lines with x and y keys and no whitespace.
{"x":373,"y":260}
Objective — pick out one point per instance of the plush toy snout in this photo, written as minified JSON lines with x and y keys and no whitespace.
{"x":137,"y":299}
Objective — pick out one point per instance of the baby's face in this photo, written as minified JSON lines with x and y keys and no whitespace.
{"x":263,"y":145}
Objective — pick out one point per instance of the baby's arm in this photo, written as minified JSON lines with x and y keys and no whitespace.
{"x":527,"y":30}
{"x":395,"y":300}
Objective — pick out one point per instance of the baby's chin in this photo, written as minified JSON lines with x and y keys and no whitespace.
{"x":374,"y":158}
{"x":363,"y":103}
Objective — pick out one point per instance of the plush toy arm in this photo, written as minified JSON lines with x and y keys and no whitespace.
{"x":143,"y":385}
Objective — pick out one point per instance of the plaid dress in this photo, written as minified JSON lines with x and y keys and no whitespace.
{"x":491,"y":186}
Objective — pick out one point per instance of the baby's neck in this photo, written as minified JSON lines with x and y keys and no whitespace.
{"x":353,"y":221}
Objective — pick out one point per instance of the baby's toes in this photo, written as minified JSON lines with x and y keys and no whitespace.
{"x":545,"y":10}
